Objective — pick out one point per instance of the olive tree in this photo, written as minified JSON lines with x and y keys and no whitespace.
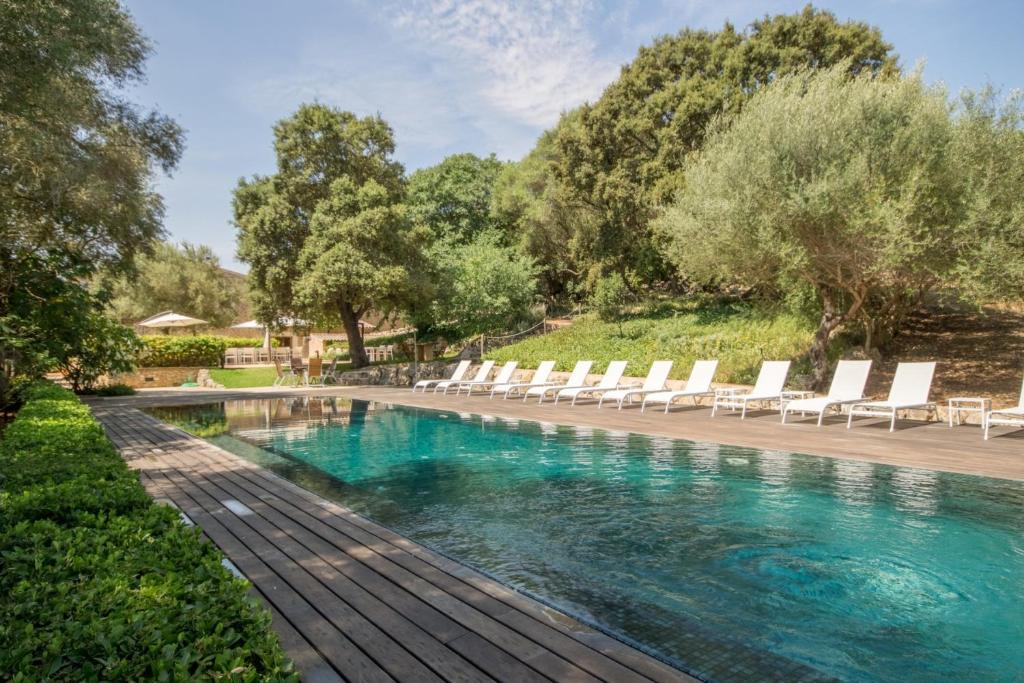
{"x":78,"y":160}
{"x":854,"y":186}
{"x":186,"y":278}
{"x":620,"y":159}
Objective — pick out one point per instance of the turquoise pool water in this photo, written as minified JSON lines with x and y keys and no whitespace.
{"x":732,"y":563}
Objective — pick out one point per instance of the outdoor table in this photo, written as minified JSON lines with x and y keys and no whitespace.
{"x":967,"y":404}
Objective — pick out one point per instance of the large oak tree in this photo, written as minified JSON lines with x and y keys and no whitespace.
{"x":325,"y":237}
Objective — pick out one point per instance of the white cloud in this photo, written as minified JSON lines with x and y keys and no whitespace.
{"x":473,"y":75}
{"x":420,"y":115}
{"x":527,"y":60}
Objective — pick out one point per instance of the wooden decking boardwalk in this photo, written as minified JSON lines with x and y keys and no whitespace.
{"x":932,"y":445}
{"x":350,"y":599}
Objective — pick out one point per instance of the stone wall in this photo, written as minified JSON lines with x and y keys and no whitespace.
{"x":397,"y":374}
{"x":155,"y":377}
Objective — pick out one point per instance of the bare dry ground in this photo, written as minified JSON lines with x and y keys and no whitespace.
{"x":979,"y":353}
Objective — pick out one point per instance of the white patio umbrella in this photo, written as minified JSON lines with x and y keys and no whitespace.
{"x":169,"y":319}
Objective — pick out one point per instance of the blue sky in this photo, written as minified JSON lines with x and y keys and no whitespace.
{"x":477,"y":76}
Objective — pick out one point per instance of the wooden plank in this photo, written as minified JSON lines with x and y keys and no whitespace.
{"x":374,"y":642}
{"x":356,"y":538}
{"x":427,"y":647}
{"x":426,"y":603}
{"x":302,"y":653}
{"x":522,"y":648}
{"x":333,"y":645}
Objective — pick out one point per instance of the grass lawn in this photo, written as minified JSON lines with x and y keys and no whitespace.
{"x":739,"y":336}
{"x":241,"y":378}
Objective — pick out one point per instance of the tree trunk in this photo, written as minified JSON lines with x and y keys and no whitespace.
{"x":819,"y":347}
{"x":356,"y":350}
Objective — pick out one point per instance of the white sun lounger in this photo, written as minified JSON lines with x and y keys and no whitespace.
{"x":504,"y":376}
{"x":577,"y":378}
{"x":655,"y":381}
{"x":771,"y":380}
{"x":698,"y":384}
{"x":460,"y":372}
{"x":909,"y":391}
{"x":481,"y":374}
{"x":1011,"y":417}
{"x":609,"y":381}
{"x":539,"y":379}
{"x":847,"y":387}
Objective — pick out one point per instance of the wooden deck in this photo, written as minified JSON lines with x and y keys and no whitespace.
{"x":931,"y":445}
{"x":350,"y":599}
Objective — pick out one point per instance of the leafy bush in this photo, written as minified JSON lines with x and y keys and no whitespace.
{"x":187,"y":351}
{"x":739,"y":336}
{"x":165,"y":350}
{"x":96,"y":347}
{"x":115,"y":390}
{"x":99,"y":583}
{"x":609,"y":297}
{"x":249,"y":342}
{"x":485,"y":287}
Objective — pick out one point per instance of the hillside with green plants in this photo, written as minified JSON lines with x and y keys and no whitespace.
{"x":739,"y":335}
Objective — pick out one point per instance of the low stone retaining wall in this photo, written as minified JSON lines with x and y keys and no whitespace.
{"x":156,"y":377}
{"x":397,"y":374}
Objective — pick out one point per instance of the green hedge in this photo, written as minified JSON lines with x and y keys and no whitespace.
{"x":174,"y":351}
{"x":162,"y":351}
{"x":100,"y":583}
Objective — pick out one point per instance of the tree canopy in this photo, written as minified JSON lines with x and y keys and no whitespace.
{"x":481,"y":286}
{"x":453,"y":198}
{"x":77,"y":163}
{"x":534,"y":212}
{"x":855,"y":187}
{"x":186,"y":279}
{"x":623,"y":157}
{"x":325,"y":237}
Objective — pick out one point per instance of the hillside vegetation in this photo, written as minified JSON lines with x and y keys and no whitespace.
{"x":738,"y":335}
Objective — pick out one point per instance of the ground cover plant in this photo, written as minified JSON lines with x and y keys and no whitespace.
{"x":739,"y":335}
{"x":99,"y":582}
{"x":242,"y":378}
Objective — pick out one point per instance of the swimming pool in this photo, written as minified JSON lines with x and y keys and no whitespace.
{"x":732,"y":563}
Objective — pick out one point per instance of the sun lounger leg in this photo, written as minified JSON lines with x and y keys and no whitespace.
{"x":743,"y":413}
{"x":892,"y":423}
{"x":821,"y":416}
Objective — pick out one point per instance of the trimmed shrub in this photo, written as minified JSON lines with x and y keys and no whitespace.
{"x":115,"y":390}
{"x":175,"y":351}
{"x":100,"y":583}
{"x":165,"y":350}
